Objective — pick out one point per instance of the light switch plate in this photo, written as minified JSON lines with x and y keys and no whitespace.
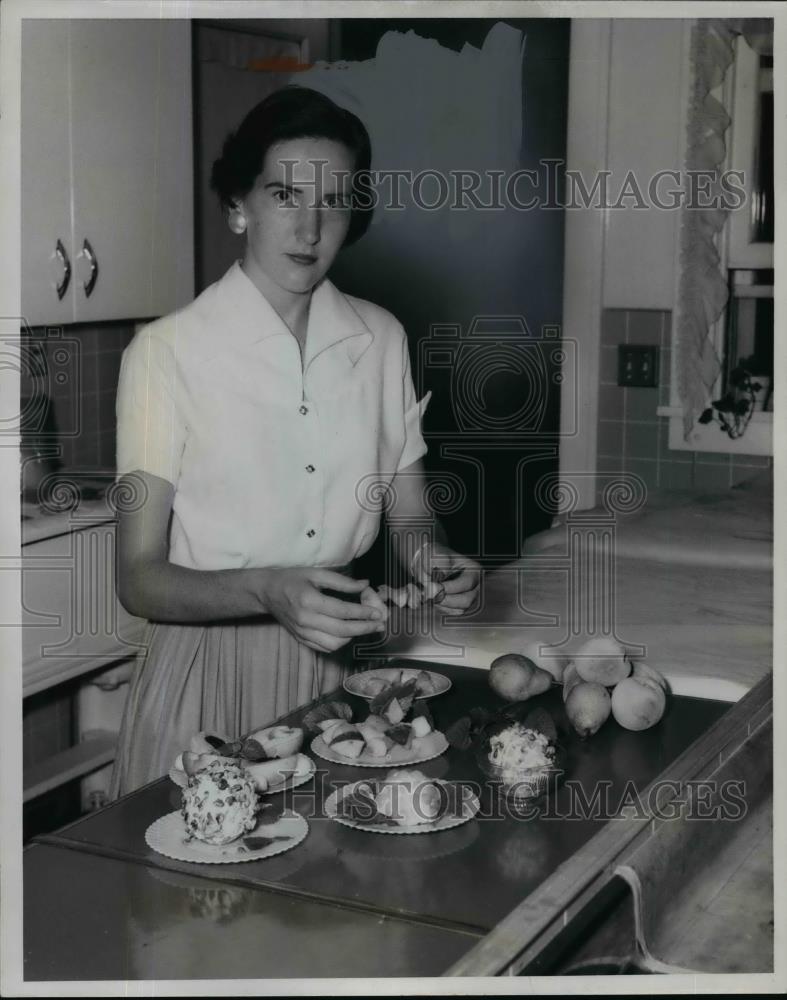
{"x":638,"y":366}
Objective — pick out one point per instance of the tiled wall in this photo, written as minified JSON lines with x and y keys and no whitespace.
{"x":82,"y":365}
{"x":631,"y":437}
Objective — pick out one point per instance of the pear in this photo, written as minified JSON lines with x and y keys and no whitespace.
{"x":517,"y":678}
{"x":638,"y":704}
{"x":547,"y":658}
{"x":588,"y":706}
{"x":570,"y":679}
{"x":602,"y":660}
{"x":649,"y":675}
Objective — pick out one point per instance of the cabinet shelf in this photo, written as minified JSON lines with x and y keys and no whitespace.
{"x":69,"y":764}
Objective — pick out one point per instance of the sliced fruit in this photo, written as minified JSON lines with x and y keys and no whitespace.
{"x":401,"y":734}
{"x":326,"y":710}
{"x":420,"y":726}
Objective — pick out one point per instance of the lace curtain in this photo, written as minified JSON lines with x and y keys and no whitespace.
{"x":702,"y":286}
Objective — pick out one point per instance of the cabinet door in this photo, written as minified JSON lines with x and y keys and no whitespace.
{"x":46,"y":171}
{"x":71,"y":617}
{"x":132,"y":173}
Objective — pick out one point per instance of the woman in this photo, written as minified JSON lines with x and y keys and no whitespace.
{"x":250,"y":426}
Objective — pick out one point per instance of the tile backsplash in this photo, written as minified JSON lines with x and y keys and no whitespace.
{"x":631,"y":437}
{"x":75,"y":369}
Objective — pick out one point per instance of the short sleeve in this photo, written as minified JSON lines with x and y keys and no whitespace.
{"x":414,"y":446}
{"x":151,"y":432}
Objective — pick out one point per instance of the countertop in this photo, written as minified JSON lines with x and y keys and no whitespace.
{"x":685,"y":583}
{"x":458,"y":884}
{"x":72,"y":501}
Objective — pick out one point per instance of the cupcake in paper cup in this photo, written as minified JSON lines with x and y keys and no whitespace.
{"x":520,"y":760}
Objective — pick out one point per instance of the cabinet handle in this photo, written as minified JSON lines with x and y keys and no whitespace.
{"x":62,"y":256}
{"x":90,"y":284}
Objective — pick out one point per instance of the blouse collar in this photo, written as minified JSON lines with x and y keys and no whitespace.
{"x":246,"y":317}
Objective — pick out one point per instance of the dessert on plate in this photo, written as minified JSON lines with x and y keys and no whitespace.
{"x":219,"y":803}
{"x":519,"y":753}
{"x":408,"y":797}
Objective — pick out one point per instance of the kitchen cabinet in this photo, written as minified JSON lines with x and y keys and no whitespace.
{"x":643,"y":139}
{"x":72,"y":619}
{"x":73,"y":625}
{"x":106,"y":142}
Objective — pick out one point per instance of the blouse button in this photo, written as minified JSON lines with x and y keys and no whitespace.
{"x":311,"y":533}
{"x":310,"y":468}
{"x":303,"y":410}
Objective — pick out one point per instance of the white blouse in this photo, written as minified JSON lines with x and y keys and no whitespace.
{"x":273,"y":460}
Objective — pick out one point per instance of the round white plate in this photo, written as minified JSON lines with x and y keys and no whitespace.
{"x":391,"y":759}
{"x":180,"y":778}
{"x":294,"y":781}
{"x":470,"y":806}
{"x":167,"y":836}
{"x":440,"y":681}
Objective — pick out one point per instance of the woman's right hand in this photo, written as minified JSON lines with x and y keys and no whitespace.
{"x":295,"y":598}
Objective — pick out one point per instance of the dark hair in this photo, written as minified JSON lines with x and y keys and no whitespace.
{"x":290,"y":113}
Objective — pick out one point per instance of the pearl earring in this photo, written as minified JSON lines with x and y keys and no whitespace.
{"x":237,"y":221}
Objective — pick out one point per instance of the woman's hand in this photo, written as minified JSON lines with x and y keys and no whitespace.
{"x":295,"y":598}
{"x":437,"y":567}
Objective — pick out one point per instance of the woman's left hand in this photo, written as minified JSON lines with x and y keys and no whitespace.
{"x":458,"y":576}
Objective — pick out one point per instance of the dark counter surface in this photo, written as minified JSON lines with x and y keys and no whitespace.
{"x":89,"y":917}
{"x":465,"y":879}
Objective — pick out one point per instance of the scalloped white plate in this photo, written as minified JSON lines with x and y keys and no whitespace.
{"x":321,"y":748}
{"x":470,"y":806}
{"x":440,"y":681}
{"x":167,"y":836}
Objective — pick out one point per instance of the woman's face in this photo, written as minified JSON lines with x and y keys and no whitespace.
{"x":297,"y":214}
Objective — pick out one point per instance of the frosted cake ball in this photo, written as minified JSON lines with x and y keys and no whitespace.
{"x":219,"y":803}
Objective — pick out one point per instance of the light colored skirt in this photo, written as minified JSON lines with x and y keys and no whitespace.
{"x":227,"y":679}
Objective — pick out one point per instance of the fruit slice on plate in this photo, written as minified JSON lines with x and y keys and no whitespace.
{"x":372,"y":684}
{"x":271,"y":775}
{"x":421,"y":748}
{"x":279,"y":741}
